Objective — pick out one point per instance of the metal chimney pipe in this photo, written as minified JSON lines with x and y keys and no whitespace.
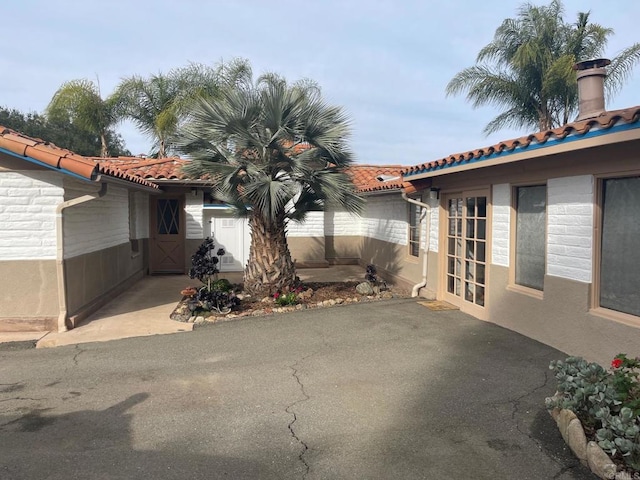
{"x":590,"y":76}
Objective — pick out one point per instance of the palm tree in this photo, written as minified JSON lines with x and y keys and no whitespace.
{"x":158,"y":104}
{"x":79,"y":102}
{"x":527,"y":70}
{"x":276,"y":152}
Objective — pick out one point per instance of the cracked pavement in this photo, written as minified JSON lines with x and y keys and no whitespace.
{"x":376,"y":391}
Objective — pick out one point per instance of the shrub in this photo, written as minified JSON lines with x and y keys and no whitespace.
{"x":287,"y":298}
{"x":606,"y":402}
{"x":215,"y":293}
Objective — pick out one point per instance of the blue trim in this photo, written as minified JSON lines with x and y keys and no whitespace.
{"x":42,"y":164}
{"x":531,"y":147}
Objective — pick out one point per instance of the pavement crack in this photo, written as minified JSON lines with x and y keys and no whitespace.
{"x":290,"y":411}
{"x":79,"y":351}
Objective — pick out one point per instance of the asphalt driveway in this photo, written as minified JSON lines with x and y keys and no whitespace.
{"x":374,"y":391}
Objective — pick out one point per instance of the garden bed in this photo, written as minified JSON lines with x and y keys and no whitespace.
{"x":311,"y":295}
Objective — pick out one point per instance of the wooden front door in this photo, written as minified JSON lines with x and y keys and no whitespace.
{"x":167,"y":225}
{"x":466,"y":240}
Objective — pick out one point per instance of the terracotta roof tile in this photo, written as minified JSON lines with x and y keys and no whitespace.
{"x":150,"y":169}
{"x":604,"y":121}
{"x":365,"y":179}
{"x":60,"y":158}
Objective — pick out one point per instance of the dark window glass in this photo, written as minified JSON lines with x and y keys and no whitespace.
{"x":531,"y":220}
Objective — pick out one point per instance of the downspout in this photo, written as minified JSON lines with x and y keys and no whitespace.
{"x":425,"y":250}
{"x":62,"y":294}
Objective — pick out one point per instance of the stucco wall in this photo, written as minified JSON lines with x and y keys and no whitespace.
{"x":28,"y":201}
{"x":97,"y":224}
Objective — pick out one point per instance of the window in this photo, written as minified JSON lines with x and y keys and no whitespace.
{"x":531,"y":222}
{"x":414,"y":229}
{"x":620,"y":245}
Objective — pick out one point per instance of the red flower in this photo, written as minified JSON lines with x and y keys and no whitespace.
{"x":617,"y":363}
{"x":276,"y":295}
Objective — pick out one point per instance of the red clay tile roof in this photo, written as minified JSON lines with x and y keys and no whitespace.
{"x":364,"y":177}
{"x":148,"y":168}
{"x":604,"y":121}
{"x":60,"y":158}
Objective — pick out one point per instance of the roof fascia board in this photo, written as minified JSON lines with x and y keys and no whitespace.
{"x":593,"y":138}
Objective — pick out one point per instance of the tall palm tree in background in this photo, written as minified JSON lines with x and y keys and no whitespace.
{"x":277,"y":152}
{"x":158,"y":104}
{"x":527,"y":70}
{"x":79,"y":102}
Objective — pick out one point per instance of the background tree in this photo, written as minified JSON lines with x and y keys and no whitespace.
{"x":277,"y":152}
{"x":79,"y":103}
{"x":61,"y":132}
{"x":158,"y":104}
{"x":527,"y":70}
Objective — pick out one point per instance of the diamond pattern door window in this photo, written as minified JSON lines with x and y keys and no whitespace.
{"x":168,"y":216}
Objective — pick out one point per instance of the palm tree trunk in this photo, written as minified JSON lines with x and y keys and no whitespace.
{"x":104,"y":148}
{"x":270,"y":267}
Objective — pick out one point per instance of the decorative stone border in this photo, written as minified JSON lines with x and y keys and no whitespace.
{"x":589,"y":453}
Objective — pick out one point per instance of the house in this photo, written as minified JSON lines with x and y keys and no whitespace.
{"x":541,"y":234}
{"x":79,"y":230}
{"x":74,"y":233}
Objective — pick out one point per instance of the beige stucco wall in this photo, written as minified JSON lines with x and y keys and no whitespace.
{"x":96,"y":276}
{"x":560,"y":319}
{"x":29,"y":295}
{"x":343,"y":250}
{"x":308,"y":252}
{"x":395,"y":265}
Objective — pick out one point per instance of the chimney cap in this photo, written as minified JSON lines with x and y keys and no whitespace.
{"x":595,"y":63}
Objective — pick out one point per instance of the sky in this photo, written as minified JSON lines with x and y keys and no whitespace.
{"x":386,"y":62}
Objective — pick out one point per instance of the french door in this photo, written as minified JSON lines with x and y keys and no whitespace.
{"x":166,"y":247}
{"x":466,"y":266}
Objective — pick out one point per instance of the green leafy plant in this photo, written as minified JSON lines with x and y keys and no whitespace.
{"x":287,"y":298}
{"x":606,"y":402}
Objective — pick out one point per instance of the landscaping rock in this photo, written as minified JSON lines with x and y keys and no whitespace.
{"x":364,"y":288}
{"x":599,"y":462}
{"x":257,"y":313}
{"x":266,"y":300}
{"x":308,"y":293}
{"x":386,"y":295}
{"x":577,"y":440}
{"x":199,"y":320}
{"x":339,"y":301}
{"x":563,"y":421}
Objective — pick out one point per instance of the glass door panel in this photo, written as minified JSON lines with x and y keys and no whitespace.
{"x":466,"y":248}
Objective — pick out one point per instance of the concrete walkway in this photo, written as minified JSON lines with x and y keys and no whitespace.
{"x":144,"y":309}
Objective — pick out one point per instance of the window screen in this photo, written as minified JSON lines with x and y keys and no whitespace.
{"x":620,"y":257}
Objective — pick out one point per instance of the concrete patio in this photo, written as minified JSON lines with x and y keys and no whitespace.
{"x":144,"y":309}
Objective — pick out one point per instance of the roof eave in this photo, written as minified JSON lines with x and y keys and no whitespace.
{"x":617,"y":134}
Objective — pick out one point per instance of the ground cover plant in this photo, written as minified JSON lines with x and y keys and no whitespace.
{"x":607,"y":402}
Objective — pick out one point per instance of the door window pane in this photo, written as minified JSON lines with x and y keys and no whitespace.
{"x":620,"y":259}
{"x":531,"y":220}
{"x":168,"y":216}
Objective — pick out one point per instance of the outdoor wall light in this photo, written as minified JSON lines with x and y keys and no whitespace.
{"x":434,"y":193}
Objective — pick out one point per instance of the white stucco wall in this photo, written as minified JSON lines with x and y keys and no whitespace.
{"x":313,"y":226}
{"x":140,"y":215}
{"x":500,"y":224}
{"x":28,"y":201}
{"x":97,"y":224}
{"x":339,"y":223}
{"x":570,"y":227}
{"x":194,"y":216}
{"x":386,"y":218}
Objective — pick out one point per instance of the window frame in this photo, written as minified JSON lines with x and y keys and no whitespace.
{"x":513,"y":222}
